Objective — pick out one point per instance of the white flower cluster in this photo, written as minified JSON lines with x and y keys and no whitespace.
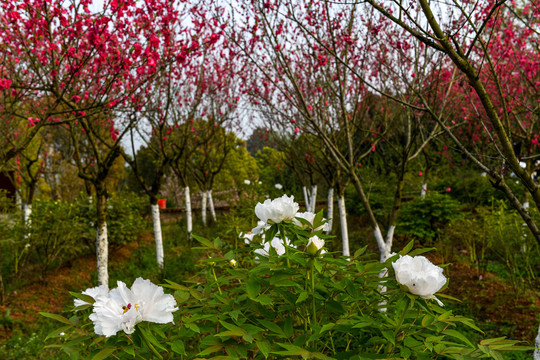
{"x":274,"y":212}
{"x":120,"y":309}
{"x":421,"y":277}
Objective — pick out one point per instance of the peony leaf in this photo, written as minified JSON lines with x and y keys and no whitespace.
{"x":456,"y":334}
{"x":83,"y":297}
{"x":253,"y":287}
{"x":360,"y":251}
{"x":272,"y":327}
{"x":303,"y":296}
{"x":181,"y":296}
{"x":178,"y":347}
{"x":264,"y":346}
{"x":129,"y":350}
{"x":104,"y":353}
{"x":173,"y":285}
{"x":58,"y":331}
{"x":427,"y":320}
{"x":407,"y":248}
{"x":56,"y":317}
{"x":264,"y":300}
{"x":207,"y":243}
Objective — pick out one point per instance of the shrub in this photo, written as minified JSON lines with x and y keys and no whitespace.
{"x":426,"y":218}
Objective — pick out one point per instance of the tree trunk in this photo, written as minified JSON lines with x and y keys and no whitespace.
{"x":306,"y":197}
{"x":424,"y":189}
{"x":18,"y":201}
{"x":189,"y":214}
{"x":156,"y":220}
{"x":343,"y":222}
{"x":330,"y":206}
{"x":211,"y":206}
{"x":537,"y":351}
{"x":102,"y":242}
{"x":383,"y":251}
{"x":398,"y":196}
{"x":313,"y":197}
{"x":27,"y":212}
{"x":203,"y":207}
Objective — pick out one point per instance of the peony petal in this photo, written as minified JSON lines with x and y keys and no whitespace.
{"x":95,"y":292}
{"x":156,"y":306}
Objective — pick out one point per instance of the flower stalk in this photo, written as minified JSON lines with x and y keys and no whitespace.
{"x":313,"y":308}
{"x":215,"y":279}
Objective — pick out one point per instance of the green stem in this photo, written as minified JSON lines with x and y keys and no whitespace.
{"x":215,"y":278}
{"x":150,"y":346}
{"x":282,"y":233}
{"x":402,"y":318}
{"x":313,"y":308}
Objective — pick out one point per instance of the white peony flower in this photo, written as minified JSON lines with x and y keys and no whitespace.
{"x":277,"y":210}
{"x":309,"y":216}
{"x":95,"y":292}
{"x":315,"y":244}
{"x":277,"y":244}
{"x":260,"y":228}
{"x":247,"y":182}
{"x":124,"y":308}
{"x":279,"y":186}
{"x":420,"y":276}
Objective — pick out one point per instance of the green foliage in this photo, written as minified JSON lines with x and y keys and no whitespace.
{"x":426,"y":218}
{"x":124,"y":217}
{"x":59,"y":232}
{"x":497,"y":240}
{"x":291,"y":306}
{"x":273,"y":170}
{"x":238,"y":166}
{"x":379,"y":193}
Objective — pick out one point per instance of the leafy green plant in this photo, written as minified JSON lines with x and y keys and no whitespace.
{"x":300,"y":304}
{"x":426,"y":218}
{"x":512,"y":244}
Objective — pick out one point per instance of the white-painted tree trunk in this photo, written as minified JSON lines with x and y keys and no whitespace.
{"x":330,"y":209}
{"x":313,"y":198}
{"x":306,"y":197}
{"x":27,"y":212}
{"x":203,"y":207}
{"x":211,"y":206}
{"x":156,"y":220}
{"x":384,"y":248}
{"x":423,"y":191}
{"x":343,"y":222}
{"x":189,"y":214}
{"x":537,"y":345}
{"x":18,"y":201}
{"x":102,"y":254}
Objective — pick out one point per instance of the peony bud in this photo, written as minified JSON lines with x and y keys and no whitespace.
{"x":314,"y":245}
